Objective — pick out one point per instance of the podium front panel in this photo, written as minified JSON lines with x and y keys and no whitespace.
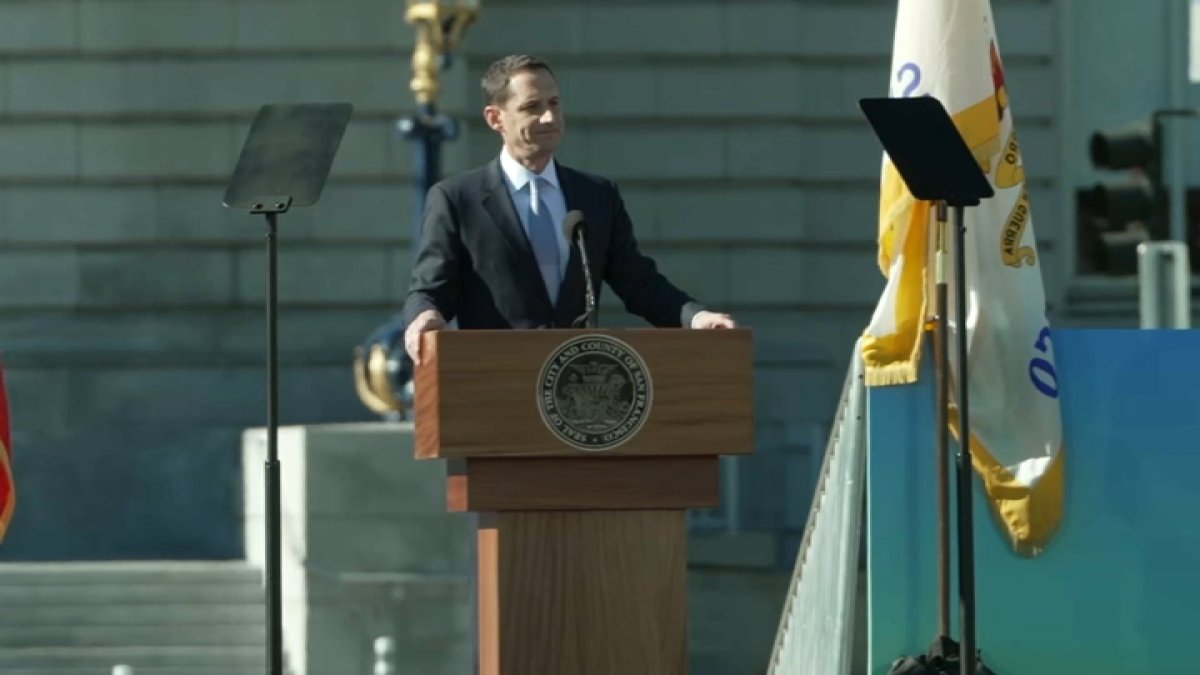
{"x":585,"y":392}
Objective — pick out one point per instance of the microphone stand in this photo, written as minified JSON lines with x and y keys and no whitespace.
{"x":588,"y":318}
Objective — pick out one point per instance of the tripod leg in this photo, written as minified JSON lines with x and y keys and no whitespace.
{"x":941,"y":357}
{"x":966,"y":533}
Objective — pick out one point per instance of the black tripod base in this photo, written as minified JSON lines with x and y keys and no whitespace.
{"x":943,"y":658}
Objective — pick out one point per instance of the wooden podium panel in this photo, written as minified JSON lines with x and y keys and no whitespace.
{"x":477,"y":393}
{"x":582,"y":450}
{"x":583,"y":593}
{"x":566,"y":483}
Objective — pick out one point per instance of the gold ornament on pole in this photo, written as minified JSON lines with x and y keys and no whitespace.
{"x":440,"y":26}
{"x":382,"y":373}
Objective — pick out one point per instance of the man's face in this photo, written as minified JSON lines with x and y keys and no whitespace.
{"x":530,"y":121}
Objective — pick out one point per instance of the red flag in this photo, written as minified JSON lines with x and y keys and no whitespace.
{"x":8,"y":488}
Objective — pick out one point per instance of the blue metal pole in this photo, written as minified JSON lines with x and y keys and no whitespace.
{"x":428,"y":130}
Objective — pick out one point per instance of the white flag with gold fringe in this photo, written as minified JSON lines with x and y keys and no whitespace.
{"x":947,"y":49}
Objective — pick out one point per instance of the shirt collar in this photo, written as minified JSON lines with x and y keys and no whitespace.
{"x":519,"y":176}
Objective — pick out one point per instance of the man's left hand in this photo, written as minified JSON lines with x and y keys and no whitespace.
{"x":706,"y":319}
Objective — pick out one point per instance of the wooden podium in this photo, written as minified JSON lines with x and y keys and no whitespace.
{"x":581,"y":451}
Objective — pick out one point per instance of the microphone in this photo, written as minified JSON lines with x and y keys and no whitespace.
{"x":575,"y":227}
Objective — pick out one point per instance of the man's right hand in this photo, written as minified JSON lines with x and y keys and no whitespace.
{"x":426,"y":321}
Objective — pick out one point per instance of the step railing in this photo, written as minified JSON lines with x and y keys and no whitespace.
{"x":816,"y":630}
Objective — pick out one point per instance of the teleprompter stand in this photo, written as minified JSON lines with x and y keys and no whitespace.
{"x":935,"y":163}
{"x":284,"y":163}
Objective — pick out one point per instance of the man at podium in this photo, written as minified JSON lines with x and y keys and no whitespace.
{"x":493,"y":252}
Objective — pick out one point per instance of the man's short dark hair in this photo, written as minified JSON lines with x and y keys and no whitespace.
{"x":499,"y":74}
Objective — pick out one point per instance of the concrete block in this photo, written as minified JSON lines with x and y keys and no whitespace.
{"x":609,"y":91}
{"x":843,"y":277}
{"x":38,"y":398}
{"x":801,"y":336}
{"x":159,"y":278}
{"x":367,"y":569}
{"x":541,"y":28}
{"x":39,"y":214}
{"x":186,"y":214}
{"x":842,"y":214}
{"x":369,"y":147}
{"x":323,"y":274}
{"x":865,"y":29}
{"x":850,"y":215}
{"x":398,"y":273}
{"x":364,"y":24}
{"x":703,"y":273}
{"x":809,"y":277}
{"x":293,"y":492}
{"x":190,"y":396}
{"x":81,"y":87}
{"x":741,"y":549}
{"x":821,"y":153}
{"x":131,"y":25}
{"x":178,"y":396}
{"x":800,"y":393}
{"x":355,"y":471}
{"x":46,"y":25}
{"x":763,"y":481}
{"x":39,"y":150}
{"x":316,"y":393}
{"x":694,"y":28}
{"x":732,"y":212}
{"x":1040,"y":151}
{"x":656,"y":151}
{"x":733,"y":616}
{"x":157,"y":150}
{"x":4,"y":86}
{"x":766,"y":151}
{"x":419,"y":544}
{"x":342,"y":636}
{"x":347,"y":211}
{"x":126,"y":491}
{"x":307,"y":335}
{"x":763,"y":28}
{"x":227,"y":396}
{"x":456,"y":155}
{"x":849,"y":153}
{"x":768,"y":89}
{"x":64,"y":339}
{"x":39,"y":279}
{"x":373,"y":83}
{"x":840,"y":30}
{"x":641,"y":203}
{"x":1026,"y":29}
{"x":761,"y":275}
{"x":1044,"y":205}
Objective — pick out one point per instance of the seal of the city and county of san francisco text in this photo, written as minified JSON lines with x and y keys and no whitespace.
{"x":594,"y":392}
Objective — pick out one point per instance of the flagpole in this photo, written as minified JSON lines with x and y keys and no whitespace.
{"x":943,"y":438}
{"x":966,"y":532}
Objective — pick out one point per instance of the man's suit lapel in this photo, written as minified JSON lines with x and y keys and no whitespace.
{"x":499,"y":205}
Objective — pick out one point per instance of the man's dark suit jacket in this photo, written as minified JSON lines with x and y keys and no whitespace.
{"x":476,"y":264}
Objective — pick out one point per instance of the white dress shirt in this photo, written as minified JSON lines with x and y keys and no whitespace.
{"x":518,"y":178}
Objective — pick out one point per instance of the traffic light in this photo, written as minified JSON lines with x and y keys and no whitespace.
{"x":1142,"y":200}
{"x":1123,"y":215}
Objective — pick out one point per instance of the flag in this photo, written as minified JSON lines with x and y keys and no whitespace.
{"x":947,"y":49}
{"x":8,"y":488}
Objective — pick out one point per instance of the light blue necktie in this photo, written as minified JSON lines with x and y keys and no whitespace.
{"x":544,"y":239}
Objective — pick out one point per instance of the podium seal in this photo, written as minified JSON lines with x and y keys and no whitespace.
{"x":594,"y":392}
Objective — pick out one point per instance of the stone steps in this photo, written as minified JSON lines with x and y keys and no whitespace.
{"x":161,"y":618}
